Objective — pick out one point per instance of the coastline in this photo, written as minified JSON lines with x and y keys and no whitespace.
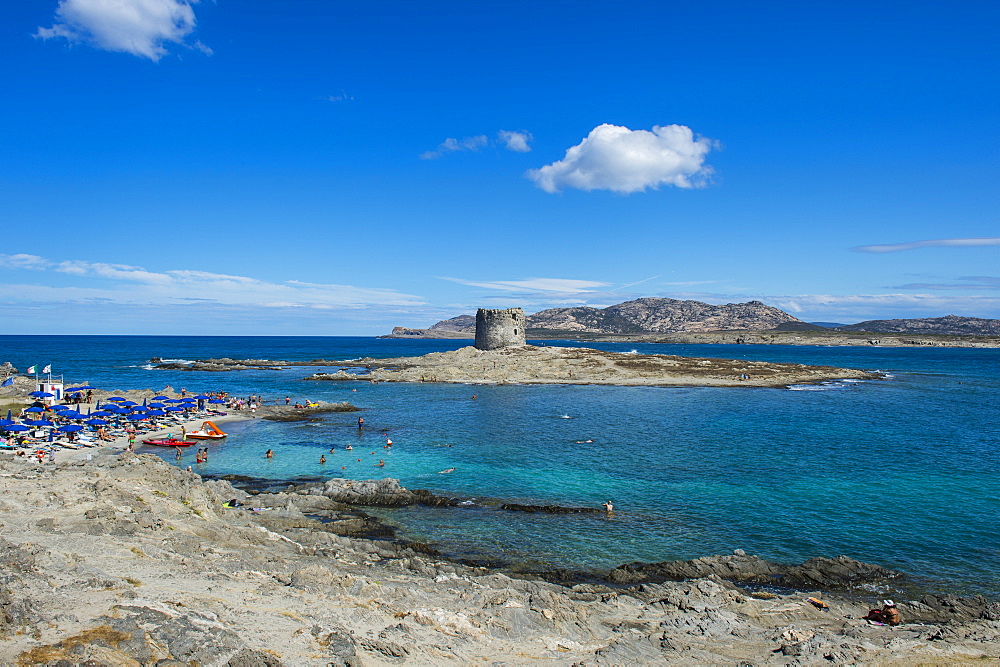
{"x":125,"y":557}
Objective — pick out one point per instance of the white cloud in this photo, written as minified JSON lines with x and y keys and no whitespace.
{"x":139,"y":27}
{"x":559,"y":285}
{"x":936,"y":243}
{"x":119,"y":283}
{"x":621,"y":160}
{"x":515,"y":141}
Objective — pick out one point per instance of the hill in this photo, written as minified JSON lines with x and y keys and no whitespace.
{"x":949,"y":325}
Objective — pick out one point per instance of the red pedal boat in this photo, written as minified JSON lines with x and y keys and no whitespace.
{"x":169,"y":442}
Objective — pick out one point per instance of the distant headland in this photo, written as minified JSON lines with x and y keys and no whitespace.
{"x":660,"y":320}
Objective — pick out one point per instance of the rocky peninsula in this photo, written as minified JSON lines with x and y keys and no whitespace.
{"x":126,"y":560}
{"x":531,"y":364}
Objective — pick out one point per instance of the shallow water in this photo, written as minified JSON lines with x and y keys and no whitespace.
{"x":901,"y":471}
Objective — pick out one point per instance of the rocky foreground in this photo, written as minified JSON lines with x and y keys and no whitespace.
{"x":574,"y":365}
{"x":125,"y":560}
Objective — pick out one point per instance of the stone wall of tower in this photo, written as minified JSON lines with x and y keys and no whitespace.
{"x":496,"y":329}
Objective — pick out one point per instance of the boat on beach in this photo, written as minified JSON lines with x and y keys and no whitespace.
{"x":208,"y":431}
{"x":168,"y":442}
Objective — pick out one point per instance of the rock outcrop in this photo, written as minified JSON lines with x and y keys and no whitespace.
{"x":816,"y":573}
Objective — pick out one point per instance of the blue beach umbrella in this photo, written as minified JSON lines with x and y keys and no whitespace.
{"x":156,"y":413}
{"x":34,"y":409}
{"x":71,"y":414}
{"x":41,"y":394}
{"x":157,"y":405}
{"x":128,"y":403}
{"x":17,"y":428}
{"x":118,"y":411}
{"x":101,"y":413}
{"x":59,"y":407}
{"x":6,"y":422}
{"x":216,"y":400}
{"x":202,"y":397}
{"x":160,"y":398}
{"x":174,"y":409}
{"x":42,"y":422}
{"x":97,"y":422}
{"x":136,"y":418}
{"x":70,"y":428}
{"x":116,"y":398}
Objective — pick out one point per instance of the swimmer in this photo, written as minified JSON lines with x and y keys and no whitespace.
{"x":322,"y":458}
{"x":388,"y":441}
{"x":361,"y":422}
{"x":348,"y":448}
{"x":381,"y":463}
{"x":608,"y":507}
{"x":333,"y":449}
{"x":269,"y":454}
{"x":446,"y":470}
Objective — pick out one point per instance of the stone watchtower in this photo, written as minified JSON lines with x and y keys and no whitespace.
{"x":496,"y":329}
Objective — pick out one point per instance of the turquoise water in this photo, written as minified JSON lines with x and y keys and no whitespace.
{"x":902,"y":471}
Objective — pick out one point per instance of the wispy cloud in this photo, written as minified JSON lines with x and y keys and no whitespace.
{"x":560,"y":285}
{"x":121,"y":283}
{"x":935,"y":243}
{"x":342,"y":97}
{"x":139,"y":27}
{"x":621,"y":160}
{"x":512,"y":141}
{"x":972,"y":283}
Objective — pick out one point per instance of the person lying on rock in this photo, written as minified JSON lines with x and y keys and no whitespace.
{"x":888,"y":614}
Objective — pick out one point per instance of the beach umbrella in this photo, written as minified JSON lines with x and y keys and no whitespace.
{"x":160,"y":398}
{"x":8,"y":414}
{"x":71,"y":414}
{"x":34,"y":409}
{"x":174,"y":408}
{"x":129,"y":403}
{"x":59,"y":407}
{"x":156,"y":413}
{"x":17,"y":428}
{"x":202,"y":397}
{"x":216,"y":400}
{"x":143,"y":401}
{"x":118,"y":411}
{"x":97,"y":422}
{"x":42,"y":422}
{"x":174,"y":400}
{"x":69,"y":428}
{"x":41,"y":394}
{"x":136,"y":418}
{"x":6,"y":422}
{"x":116,"y":398}
{"x":157,"y":405}
{"x":101,"y":413}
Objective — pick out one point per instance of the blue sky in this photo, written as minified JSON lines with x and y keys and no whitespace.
{"x":328,"y":168}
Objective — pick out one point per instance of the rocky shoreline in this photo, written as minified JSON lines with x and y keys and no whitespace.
{"x":531,"y":364}
{"x":129,"y":560}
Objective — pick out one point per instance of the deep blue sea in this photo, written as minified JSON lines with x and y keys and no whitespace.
{"x":903,"y":472}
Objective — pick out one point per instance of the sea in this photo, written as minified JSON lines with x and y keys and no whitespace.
{"x":903,"y":471}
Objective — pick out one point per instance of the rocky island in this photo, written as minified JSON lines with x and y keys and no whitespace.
{"x":529,"y":364}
